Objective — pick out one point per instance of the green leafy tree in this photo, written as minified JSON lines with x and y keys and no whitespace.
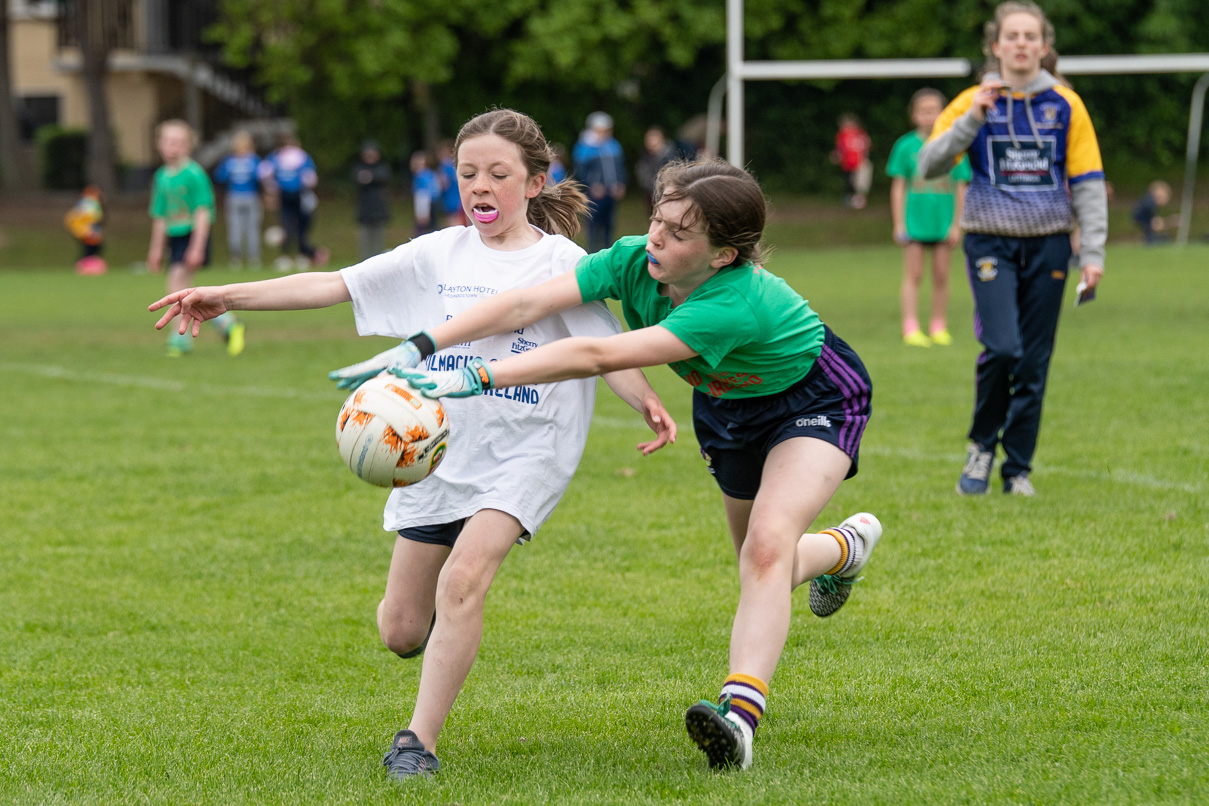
{"x":407,"y":71}
{"x":348,"y":67}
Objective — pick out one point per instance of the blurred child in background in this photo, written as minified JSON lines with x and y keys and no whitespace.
{"x":290,"y":173}
{"x":927,"y":216}
{"x":656,"y":153}
{"x":1147,"y":214}
{"x":372,"y":177}
{"x":182,"y":212}
{"x":84,"y":221}
{"x":425,"y":193}
{"x":451,"y":199}
{"x":852,"y":145}
{"x":244,"y":210}
{"x":558,"y":163}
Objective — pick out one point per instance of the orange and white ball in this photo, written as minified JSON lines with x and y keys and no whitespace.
{"x":389,"y":434}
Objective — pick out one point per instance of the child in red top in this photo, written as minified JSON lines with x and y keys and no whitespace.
{"x":851,"y":153}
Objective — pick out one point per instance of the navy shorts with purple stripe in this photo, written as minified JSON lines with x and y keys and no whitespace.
{"x":832,"y":403}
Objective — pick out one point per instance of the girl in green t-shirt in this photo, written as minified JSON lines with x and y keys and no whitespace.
{"x":927,"y":215}
{"x":779,"y":405}
{"x":182,"y":210}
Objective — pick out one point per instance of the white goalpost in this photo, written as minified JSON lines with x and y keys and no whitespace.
{"x":739,"y":71}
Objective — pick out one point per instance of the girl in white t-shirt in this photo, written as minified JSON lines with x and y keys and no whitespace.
{"x":511,"y":455}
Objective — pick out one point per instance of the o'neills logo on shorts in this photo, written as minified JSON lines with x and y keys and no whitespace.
{"x":821,"y":419}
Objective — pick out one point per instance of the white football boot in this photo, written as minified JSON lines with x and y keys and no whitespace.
{"x":829,"y":592}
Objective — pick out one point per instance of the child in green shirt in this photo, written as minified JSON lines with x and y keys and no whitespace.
{"x":182,"y":210}
{"x":927,"y":215}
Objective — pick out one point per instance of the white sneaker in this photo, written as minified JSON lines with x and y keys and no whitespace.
{"x":1019,"y":485}
{"x":829,"y":592}
{"x":284,"y":264}
{"x":725,"y":738}
{"x":976,"y":475}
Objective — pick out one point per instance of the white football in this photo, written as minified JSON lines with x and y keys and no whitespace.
{"x":274,"y":236}
{"x":389,"y":434}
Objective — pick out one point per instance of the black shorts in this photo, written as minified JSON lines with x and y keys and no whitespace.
{"x":443,"y":534}
{"x":832,"y":403}
{"x":438,"y":534}
{"x":179,"y":244}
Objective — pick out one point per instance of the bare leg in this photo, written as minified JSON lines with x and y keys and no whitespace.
{"x":460,"y":595}
{"x":913,"y":273}
{"x":180,"y":277}
{"x":405,"y":612}
{"x":800,"y":476}
{"x":942,"y":258}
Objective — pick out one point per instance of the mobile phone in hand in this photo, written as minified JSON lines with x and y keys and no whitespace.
{"x":1083,"y":294}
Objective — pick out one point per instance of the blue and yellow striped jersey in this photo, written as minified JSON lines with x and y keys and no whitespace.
{"x":1025,"y":158}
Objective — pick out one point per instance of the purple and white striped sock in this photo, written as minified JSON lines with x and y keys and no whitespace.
{"x":748,"y":698}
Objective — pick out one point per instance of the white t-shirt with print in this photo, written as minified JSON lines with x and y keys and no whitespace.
{"x":512,"y":449}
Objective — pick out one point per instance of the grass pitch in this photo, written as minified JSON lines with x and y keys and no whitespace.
{"x":188,"y":577}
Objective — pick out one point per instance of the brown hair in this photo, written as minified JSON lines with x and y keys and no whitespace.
{"x":1049,"y":63}
{"x":557,"y":207}
{"x":926,"y":92}
{"x":990,"y":31}
{"x":728,"y":199}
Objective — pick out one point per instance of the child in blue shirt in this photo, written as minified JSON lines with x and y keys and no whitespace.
{"x":244,"y":211}
{"x":425,"y":193}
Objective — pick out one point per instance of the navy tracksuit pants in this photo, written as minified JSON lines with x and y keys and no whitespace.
{"x":1017,"y":285}
{"x":600,"y":223}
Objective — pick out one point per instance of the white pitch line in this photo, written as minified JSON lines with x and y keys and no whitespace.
{"x":1119,"y":476}
{"x":163,"y":384}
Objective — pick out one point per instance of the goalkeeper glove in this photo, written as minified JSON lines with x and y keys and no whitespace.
{"x":407,"y":355}
{"x":468,"y":381}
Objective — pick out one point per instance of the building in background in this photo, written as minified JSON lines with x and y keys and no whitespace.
{"x":161,"y":66}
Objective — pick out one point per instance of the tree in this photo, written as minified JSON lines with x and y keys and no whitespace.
{"x":417,"y":60}
{"x":14,"y":171}
{"x":97,"y":27}
{"x":345,"y":68}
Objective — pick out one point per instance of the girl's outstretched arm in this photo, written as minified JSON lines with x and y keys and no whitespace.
{"x":293,"y":293}
{"x":574,"y":357}
{"x":510,"y":310}
{"x":632,"y":386}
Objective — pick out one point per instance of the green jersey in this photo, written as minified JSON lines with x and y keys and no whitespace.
{"x":753,"y":334}
{"x":177,"y":194}
{"x":929,"y":212}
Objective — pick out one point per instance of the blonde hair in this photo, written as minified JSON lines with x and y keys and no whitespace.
{"x":557,"y":207}
{"x":990,"y":31}
{"x":242,"y":142}
{"x":180,"y":124}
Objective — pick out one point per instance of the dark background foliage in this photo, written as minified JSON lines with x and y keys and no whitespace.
{"x":408,"y":72}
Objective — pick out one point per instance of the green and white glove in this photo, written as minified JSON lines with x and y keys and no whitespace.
{"x":407,"y":355}
{"x":468,"y":381}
